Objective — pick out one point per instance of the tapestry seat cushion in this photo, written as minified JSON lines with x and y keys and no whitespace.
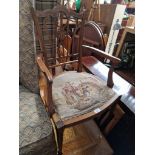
{"x":35,"y":129}
{"x":78,"y":93}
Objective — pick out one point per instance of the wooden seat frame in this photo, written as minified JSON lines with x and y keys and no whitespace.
{"x":47,"y":71}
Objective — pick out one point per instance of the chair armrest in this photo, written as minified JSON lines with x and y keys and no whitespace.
{"x":113,"y":59}
{"x":44,"y":69}
{"x":45,"y":88}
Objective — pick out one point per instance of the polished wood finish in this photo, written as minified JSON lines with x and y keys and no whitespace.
{"x":128,"y":75}
{"x":121,"y":86}
{"x":48,"y":64}
{"x":114,"y":61}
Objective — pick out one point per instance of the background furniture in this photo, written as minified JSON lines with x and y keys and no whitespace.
{"x":128,"y":37}
{"x":71,"y":97}
{"x":93,"y":36}
{"x":127,"y":30}
{"x":35,"y":129}
{"x":110,"y":15}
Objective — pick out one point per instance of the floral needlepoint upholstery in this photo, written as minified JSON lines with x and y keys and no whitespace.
{"x":28,"y":70}
{"x":35,"y":130}
{"x":77,"y":93}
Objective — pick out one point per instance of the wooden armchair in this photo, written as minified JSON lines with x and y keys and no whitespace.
{"x":72,"y":96}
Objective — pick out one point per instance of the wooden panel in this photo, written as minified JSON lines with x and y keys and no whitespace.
{"x":88,"y":5}
{"x":107,"y":15}
{"x":111,"y":17}
{"x":131,"y":21}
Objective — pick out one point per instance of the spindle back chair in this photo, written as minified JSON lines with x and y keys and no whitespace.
{"x":71,"y":97}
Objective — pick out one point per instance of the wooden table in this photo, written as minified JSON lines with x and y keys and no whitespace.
{"x":121,"y":86}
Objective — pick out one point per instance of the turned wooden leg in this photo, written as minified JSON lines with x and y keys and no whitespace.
{"x":60,"y":140}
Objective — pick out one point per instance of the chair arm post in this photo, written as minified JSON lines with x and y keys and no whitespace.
{"x":44,"y":69}
{"x":114,"y":61}
{"x":48,"y":93}
{"x":51,"y":109}
{"x":110,"y":82}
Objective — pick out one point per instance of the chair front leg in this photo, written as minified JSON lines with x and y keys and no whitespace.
{"x":60,"y":132}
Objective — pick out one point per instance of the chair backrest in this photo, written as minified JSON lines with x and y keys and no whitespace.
{"x":28,"y":70}
{"x":93,"y":36}
{"x":60,"y":34}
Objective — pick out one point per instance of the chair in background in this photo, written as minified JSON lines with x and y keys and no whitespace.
{"x":70,"y":97}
